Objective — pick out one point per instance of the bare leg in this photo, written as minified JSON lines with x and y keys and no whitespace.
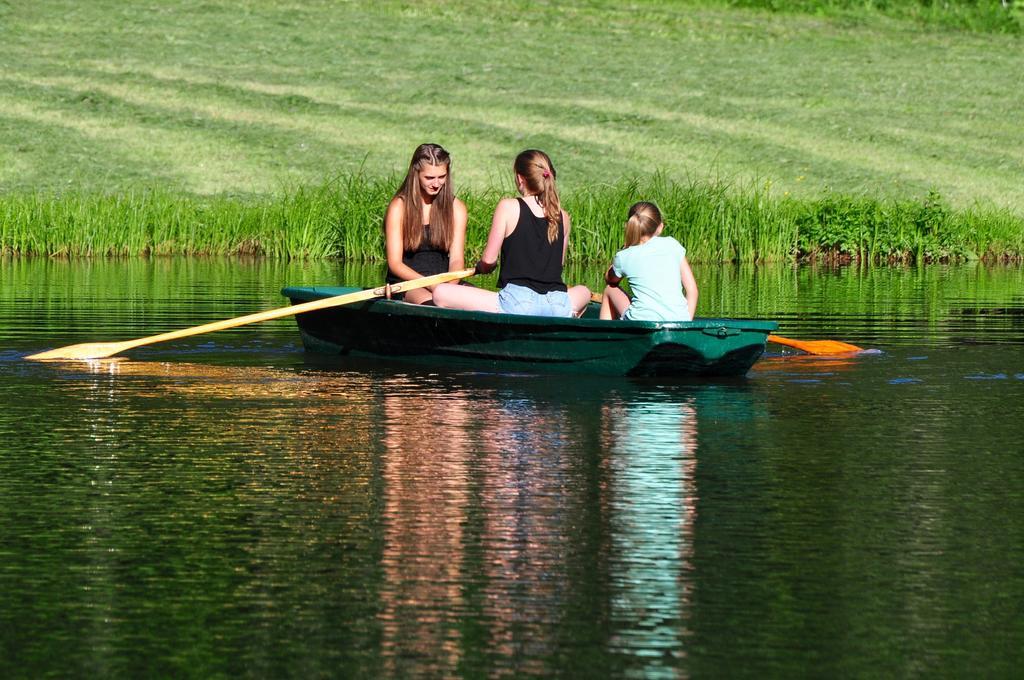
{"x":579,"y":298}
{"x":454,"y":296}
{"x":606,"y":305}
{"x":614,"y":303}
{"x":418,"y":296}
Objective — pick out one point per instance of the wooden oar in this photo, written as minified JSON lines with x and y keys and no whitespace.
{"x":100,"y":350}
{"x":823,"y":347}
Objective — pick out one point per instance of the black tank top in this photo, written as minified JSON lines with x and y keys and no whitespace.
{"x":527,"y":259}
{"x":427,"y":260}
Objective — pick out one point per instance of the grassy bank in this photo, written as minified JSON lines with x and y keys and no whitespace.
{"x":225,"y":98}
{"x":718,"y":222}
{"x":982,"y":16}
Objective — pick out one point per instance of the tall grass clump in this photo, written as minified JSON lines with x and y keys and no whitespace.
{"x":359,"y":215}
{"x":714,"y":220}
{"x":76,"y":223}
{"x":302,"y":222}
{"x":991,"y":234}
{"x":717,"y":221}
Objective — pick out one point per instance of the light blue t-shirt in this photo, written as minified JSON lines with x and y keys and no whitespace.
{"x":653,"y":270}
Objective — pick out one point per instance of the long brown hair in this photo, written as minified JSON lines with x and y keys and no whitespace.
{"x":539,"y":178}
{"x":442,"y":213}
{"x":644,"y":219}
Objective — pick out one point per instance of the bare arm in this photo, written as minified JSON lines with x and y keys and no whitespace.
{"x":689,"y":287}
{"x":506,"y":215}
{"x":457,"y":253}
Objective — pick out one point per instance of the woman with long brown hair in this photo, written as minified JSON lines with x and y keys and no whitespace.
{"x":425,"y":225}
{"x":531,"y":235}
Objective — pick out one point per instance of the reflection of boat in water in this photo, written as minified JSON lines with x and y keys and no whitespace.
{"x":386,"y":328}
{"x":471,"y":518}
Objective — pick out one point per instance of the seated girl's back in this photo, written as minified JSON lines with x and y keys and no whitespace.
{"x":530,"y":234}
{"x":652,"y":268}
{"x":659,"y":276}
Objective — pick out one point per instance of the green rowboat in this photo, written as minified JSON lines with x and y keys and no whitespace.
{"x":510,"y":342}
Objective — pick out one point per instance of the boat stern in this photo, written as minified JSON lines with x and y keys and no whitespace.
{"x":720,"y":347}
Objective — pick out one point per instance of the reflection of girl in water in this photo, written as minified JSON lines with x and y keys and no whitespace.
{"x":424,"y":468}
{"x":652,"y":510}
{"x":475,"y":527}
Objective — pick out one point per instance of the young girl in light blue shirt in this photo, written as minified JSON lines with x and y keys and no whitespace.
{"x":657,"y":271}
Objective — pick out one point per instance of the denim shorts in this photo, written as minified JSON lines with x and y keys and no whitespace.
{"x":513,"y":299}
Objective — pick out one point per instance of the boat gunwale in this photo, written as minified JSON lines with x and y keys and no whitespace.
{"x":305,"y":293}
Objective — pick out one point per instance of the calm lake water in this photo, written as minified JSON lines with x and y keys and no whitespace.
{"x":229,"y":506}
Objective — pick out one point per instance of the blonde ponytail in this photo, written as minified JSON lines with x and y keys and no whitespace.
{"x":644,"y":219}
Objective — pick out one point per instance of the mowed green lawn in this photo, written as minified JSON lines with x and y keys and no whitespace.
{"x":241,"y":97}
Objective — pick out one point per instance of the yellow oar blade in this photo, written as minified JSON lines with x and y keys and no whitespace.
{"x":101,"y":350}
{"x":85,"y":350}
{"x":823,"y":347}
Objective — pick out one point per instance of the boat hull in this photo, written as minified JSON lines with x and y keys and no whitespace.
{"x":509,"y":342}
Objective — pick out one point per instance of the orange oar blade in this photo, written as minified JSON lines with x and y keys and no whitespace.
{"x":816,"y":346}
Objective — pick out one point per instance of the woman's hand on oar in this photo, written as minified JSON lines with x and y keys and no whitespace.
{"x":100,"y":350}
{"x":822,"y":347}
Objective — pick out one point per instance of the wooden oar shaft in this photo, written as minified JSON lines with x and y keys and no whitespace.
{"x":255,"y":318}
{"x":280,"y":312}
{"x":100,"y":350}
